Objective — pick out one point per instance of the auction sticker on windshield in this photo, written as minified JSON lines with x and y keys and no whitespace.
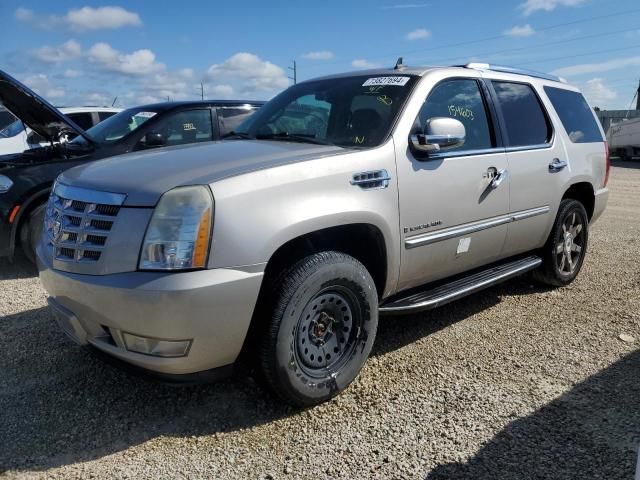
{"x":145,"y":114}
{"x":399,"y":81}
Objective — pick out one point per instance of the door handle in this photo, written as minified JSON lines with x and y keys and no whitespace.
{"x":556,"y":165}
{"x":500,"y":177}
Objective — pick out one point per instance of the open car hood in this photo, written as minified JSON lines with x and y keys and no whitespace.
{"x":35,"y":111}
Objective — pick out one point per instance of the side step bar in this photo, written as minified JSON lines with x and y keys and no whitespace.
{"x":448,"y":292}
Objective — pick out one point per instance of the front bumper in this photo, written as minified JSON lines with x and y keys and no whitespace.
{"x":212,"y":308}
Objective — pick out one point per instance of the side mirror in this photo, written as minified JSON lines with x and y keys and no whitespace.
{"x":440,"y":133}
{"x":154,"y":139}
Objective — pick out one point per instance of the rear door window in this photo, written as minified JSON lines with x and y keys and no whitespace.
{"x":104,"y":115}
{"x":460,"y":99}
{"x":525,"y":121}
{"x":575,"y":114}
{"x":83,"y":120}
{"x":183,"y":127}
{"x":229,"y":118}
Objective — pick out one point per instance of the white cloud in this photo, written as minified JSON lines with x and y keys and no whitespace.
{"x":520,"y":31}
{"x":41,"y":84}
{"x":362,"y":63}
{"x":418,"y":34}
{"x":83,"y":19}
{"x":71,"y":73}
{"x":67,"y":51}
{"x":101,"y":18}
{"x":220,"y":91}
{"x":320,"y":55}
{"x":139,"y":62}
{"x":24,"y":15}
{"x":249,"y":74}
{"x":531,"y":6}
{"x":597,"y":93}
{"x":585,"y":68}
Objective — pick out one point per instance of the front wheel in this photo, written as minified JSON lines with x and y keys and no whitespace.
{"x":322,"y":325}
{"x":564,"y":252}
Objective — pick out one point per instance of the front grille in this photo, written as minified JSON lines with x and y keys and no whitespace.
{"x":78,"y":230}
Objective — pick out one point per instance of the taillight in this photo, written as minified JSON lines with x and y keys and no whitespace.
{"x":608,"y":163}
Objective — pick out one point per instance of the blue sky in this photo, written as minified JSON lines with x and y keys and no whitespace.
{"x":87,"y":52}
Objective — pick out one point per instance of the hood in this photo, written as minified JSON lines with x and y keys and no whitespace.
{"x":144,"y":177}
{"x":35,"y":111}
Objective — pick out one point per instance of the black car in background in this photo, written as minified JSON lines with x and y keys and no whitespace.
{"x":26,"y":178}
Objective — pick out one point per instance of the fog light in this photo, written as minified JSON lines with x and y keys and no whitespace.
{"x":155,"y":347}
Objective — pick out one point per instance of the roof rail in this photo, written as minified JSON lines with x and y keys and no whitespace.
{"x":514,"y":70}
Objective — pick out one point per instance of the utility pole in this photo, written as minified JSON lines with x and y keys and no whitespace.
{"x":638,"y":97}
{"x":202,"y":90}
{"x":295,"y":72}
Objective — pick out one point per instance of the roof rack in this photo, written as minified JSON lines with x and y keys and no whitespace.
{"x":514,"y":70}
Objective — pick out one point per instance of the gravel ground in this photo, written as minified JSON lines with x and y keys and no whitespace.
{"x":514,"y":382}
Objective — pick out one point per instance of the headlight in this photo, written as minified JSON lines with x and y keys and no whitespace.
{"x":179,"y":231}
{"x":5,"y":184}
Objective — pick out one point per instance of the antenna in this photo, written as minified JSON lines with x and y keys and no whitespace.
{"x":399,"y":64}
{"x":114,"y":101}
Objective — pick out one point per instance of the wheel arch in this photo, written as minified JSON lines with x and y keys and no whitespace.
{"x":584,"y":193}
{"x":35,"y":198}
{"x":345,"y":238}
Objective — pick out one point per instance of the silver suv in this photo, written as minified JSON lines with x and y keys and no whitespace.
{"x":377,"y":192}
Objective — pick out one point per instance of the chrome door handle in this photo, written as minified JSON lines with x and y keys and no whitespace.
{"x":556,"y":165}
{"x":501,"y":176}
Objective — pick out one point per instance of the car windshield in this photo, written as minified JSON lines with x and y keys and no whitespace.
{"x":12,"y":129}
{"x":117,"y":126}
{"x":357,"y":111}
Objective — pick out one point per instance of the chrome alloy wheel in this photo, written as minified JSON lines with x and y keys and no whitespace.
{"x":327,"y":331}
{"x":569,"y":248}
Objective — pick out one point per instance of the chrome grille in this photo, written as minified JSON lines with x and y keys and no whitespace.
{"x":78,"y":230}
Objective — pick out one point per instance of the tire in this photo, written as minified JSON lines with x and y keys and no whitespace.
{"x":565,"y":250}
{"x":31,"y":230}
{"x":323,"y":318}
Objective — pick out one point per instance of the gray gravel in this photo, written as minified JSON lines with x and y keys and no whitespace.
{"x":514,"y":382}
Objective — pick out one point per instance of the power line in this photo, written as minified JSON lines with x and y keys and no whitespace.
{"x":530,"y":47}
{"x":578,"y":55}
{"x":494,"y":37}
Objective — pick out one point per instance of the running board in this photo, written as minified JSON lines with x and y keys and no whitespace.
{"x":448,"y":292}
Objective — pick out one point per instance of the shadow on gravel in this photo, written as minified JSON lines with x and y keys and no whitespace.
{"x":593,"y":431}
{"x":395,"y":332}
{"x":20,"y":267}
{"x":61,"y":404}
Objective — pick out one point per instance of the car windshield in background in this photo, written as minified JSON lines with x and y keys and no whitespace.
{"x":117,"y":126}
{"x":350,"y":112}
{"x":12,"y":129}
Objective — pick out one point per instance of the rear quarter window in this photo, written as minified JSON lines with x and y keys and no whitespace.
{"x":575,"y":114}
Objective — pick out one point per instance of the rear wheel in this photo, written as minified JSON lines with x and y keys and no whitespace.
{"x":322,"y":325}
{"x":564,"y":252}
{"x":31,"y":230}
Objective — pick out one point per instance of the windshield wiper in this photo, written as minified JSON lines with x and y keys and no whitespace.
{"x":241,"y":135}
{"x":293,"y":137}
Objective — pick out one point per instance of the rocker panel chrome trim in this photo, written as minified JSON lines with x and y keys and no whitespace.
{"x":465,"y":229}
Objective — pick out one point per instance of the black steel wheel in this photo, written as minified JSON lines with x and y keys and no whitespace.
{"x":322,"y":325}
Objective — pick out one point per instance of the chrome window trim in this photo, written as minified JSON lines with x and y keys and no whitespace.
{"x":89,"y":196}
{"x":473,"y":227}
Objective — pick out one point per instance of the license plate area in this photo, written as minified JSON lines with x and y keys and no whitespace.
{"x":68,"y":322}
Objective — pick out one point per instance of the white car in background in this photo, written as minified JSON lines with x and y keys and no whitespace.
{"x":17,"y":137}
